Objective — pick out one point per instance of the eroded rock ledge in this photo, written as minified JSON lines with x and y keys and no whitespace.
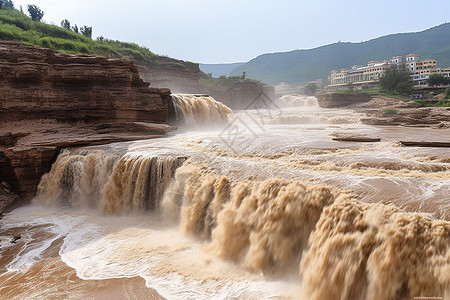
{"x":50,"y":101}
{"x":37,"y":83}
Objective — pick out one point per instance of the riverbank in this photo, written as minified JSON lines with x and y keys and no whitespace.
{"x":386,"y":111}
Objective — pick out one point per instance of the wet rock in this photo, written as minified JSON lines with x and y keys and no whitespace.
{"x":361,"y":139}
{"x":425,"y":144}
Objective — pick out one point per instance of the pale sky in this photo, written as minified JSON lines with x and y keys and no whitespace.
{"x":226,"y":31}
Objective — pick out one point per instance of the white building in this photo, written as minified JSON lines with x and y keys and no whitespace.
{"x":420,"y":71}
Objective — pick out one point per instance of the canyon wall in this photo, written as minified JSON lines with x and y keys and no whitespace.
{"x":37,"y":83}
{"x":50,"y":100}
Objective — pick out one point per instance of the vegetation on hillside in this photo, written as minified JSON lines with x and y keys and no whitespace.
{"x":443,"y":102}
{"x":301,"y":66}
{"x":15,"y":25}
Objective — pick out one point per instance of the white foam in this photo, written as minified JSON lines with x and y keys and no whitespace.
{"x":57,"y":225}
{"x":175,"y":265}
{"x":171,"y":263}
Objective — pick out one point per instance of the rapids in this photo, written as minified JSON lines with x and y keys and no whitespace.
{"x":266,"y":206}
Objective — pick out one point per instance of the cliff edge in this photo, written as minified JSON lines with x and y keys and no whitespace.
{"x":50,"y":100}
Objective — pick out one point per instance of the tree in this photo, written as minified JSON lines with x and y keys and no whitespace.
{"x":6,"y":4}
{"x":86,"y":31}
{"x":65,"y":24}
{"x":310,"y":89}
{"x":35,"y":12}
{"x":437,"y":79}
{"x":75,"y":28}
{"x":243,"y":75}
{"x":404,"y":88}
{"x":396,"y":79}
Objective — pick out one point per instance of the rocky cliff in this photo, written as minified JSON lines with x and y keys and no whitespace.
{"x":37,"y":83}
{"x":50,"y":100}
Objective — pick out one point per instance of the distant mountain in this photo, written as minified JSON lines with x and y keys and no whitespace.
{"x":219,"y":69}
{"x":301,"y":66}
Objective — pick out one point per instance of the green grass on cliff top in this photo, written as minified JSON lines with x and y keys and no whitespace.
{"x":17,"y":26}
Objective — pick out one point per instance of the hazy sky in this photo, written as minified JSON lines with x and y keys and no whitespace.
{"x":219,"y":31}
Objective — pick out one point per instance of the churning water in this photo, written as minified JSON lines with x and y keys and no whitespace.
{"x":266,"y":206}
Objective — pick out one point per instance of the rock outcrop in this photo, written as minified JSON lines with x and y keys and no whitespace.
{"x":385,"y":111}
{"x":28,"y":165}
{"x":37,"y":83}
{"x":50,"y":100}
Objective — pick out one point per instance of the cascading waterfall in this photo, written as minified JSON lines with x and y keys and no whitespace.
{"x":299,"y":101}
{"x":198,"y":110}
{"x":347,"y":249}
{"x":340,"y":247}
{"x":115,"y":184}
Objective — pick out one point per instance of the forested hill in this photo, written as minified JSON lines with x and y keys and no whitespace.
{"x":16,"y":26}
{"x":301,"y":66}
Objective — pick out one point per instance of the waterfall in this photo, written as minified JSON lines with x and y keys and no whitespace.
{"x":112,"y":183}
{"x":199,"y":110}
{"x":342,"y":248}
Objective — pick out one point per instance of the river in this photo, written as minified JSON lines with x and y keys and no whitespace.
{"x":256,"y":204}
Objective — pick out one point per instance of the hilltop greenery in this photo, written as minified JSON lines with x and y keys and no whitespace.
{"x":302,"y":66}
{"x":15,"y":25}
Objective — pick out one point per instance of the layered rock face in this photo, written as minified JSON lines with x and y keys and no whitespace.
{"x":37,"y":83}
{"x":50,"y":100}
{"x":27,"y":166}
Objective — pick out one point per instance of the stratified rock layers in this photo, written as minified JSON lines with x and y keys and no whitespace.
{"x":37,"y":83}
{"x":41,"y":84}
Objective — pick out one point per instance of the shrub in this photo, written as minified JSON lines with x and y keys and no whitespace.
{"x":389,"y":111}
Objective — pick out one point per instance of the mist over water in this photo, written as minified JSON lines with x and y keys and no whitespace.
{"x":266,"y":206}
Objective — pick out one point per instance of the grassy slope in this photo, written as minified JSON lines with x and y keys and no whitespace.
{"x":301,"y":66}
{"x":16,"y":26}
